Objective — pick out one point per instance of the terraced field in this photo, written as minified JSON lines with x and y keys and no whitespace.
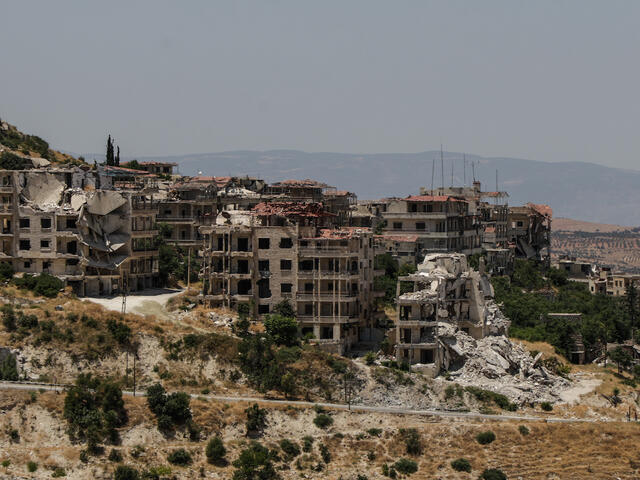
{"x":612,"y":245}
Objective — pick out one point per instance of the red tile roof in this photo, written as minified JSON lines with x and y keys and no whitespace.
{"x":116,"y":169}
{"x":434,"y":198}
{"x":544,"y":210}
{"x":171,"y":164}
{"x":291,"y":209}
{"x":300,"y":183}
{"x":400,"y":238}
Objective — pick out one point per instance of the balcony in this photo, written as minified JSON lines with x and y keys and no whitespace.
{"x":175,"y":219}
{"x":144,"y":253}
{"x":328,"y":274}
{"x":326,"y":319}
{"x":417,"y":215}
{"x":329,"y":296}
{"x":144,"y":233}
{"x":326,"y":252}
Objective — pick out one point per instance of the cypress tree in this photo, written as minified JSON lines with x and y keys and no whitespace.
{"x":110,"y":160}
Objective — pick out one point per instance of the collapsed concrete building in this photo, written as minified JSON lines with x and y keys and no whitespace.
{"x":444,"y":295}
{"x":530,"y":231}
{"x":70,"y":222}
{"x":448,"y":320}
{"x":290,"y":251}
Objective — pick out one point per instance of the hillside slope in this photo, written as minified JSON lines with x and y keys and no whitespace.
{"x":24,"y":145}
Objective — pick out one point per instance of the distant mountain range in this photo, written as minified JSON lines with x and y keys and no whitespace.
{"x":578,"y":190}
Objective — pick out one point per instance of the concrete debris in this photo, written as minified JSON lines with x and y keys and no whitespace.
{"x":103,"y":225}
{"x":450,"y":321}
{"x":42,"y":190}
{"x":497,"y":364}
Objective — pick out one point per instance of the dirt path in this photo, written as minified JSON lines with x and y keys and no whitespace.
{"x":581,"y":387}
{"x":148,"y":302}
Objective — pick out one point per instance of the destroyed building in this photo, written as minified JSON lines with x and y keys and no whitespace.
{"x":442,"y":223}
{"x":530,"y":231}
{"x":63,"y":222}
{"x":443,"y":296}
{"x":290,"y":251}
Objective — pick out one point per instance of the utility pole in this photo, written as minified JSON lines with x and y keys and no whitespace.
{"x":433,"y":169}
{"x":189,"y":270}
{"x":464,"y":169}
{"x":442,"y":166}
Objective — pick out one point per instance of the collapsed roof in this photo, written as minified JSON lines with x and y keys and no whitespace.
{"x":103,"y":226}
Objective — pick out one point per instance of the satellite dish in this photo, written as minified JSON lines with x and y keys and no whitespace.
{"x":199,"y":172}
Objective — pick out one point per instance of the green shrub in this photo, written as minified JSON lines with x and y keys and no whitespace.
{"x":255,"y":462}
{"x":59,"y":472}
{"x":370,"y":358}
{"x":9,"y":368}
{"x":412,"y":441}
{"x":124,"y":472}
{"x":291,"y":449}
{"x":487,"y":396}
{"x":307,"y":443}
{"x":493,"y":474}
{"x":325,"y":453}
{"x":32,"y":466}
{"x":115,"y":455}
{"x":6,"y":271}
{"x":8,"y":318}
{"x":11,"y":161}
{"x":256,"y":419}
{"x":461,"y":465}
{"x":375,"y":432}
{"x":524,"y":431}
{"x":215,"y":451}
{"x":546,"y":406}
{"x":6,"y":463}
{"x":323,"y":421}
{"x":180,"y":457}
{"x":485,"y":438}
{"x":406,"y":466}
{"x":44,"y":284}
{"x":283,"y":330}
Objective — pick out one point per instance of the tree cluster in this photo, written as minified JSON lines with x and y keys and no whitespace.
{"x":94,"y":409}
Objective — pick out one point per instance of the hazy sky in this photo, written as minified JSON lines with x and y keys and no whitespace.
{"x":546,"y":80}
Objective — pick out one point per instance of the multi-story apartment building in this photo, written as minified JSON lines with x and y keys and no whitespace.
{"x":445,"y":294}
{"x":604,"y":281}
{"x":70,"y":222}
{"x":287,"y":251}
{"x":442,"y":223}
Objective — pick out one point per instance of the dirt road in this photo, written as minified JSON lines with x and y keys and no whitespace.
{"x":148,"y":302}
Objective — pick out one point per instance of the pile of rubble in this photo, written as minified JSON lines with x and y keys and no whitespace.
{"x":496,"y":363}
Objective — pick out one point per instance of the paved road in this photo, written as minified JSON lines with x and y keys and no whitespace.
{"x":336,"y":406}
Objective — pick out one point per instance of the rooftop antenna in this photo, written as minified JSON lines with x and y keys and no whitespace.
{"x":464,"y":169}
{"x":433,"y":168}
{"x":442,"y":166}
{"x":453,"y":161}
{"x":473,"y":169}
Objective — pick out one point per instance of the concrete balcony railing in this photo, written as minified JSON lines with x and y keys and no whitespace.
{"x":328,"y":274}
{"x":326,"y":252}
{"x":327,"y":296}
{"x":328,"y":319}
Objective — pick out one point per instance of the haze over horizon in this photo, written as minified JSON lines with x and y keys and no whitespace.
{"x":548,"y":81}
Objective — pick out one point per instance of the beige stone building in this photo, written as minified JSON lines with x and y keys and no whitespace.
{"x":442,"y":223}
{"x":287,"y":251}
